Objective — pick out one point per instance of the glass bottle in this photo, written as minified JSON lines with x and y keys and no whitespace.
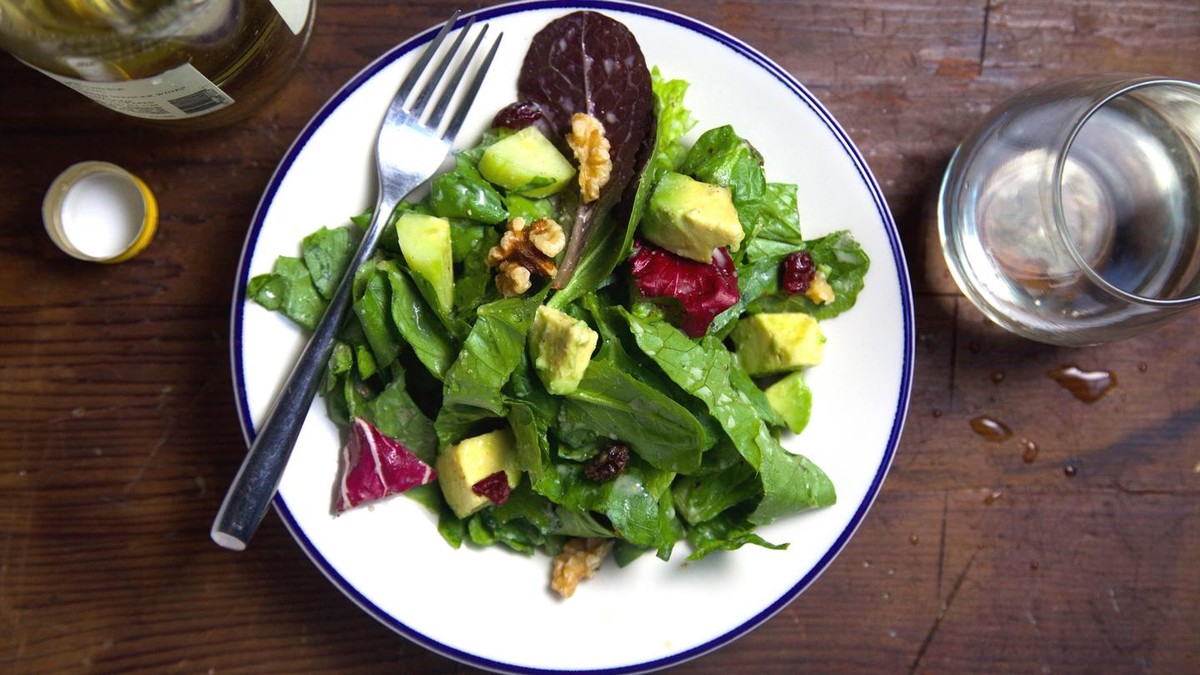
{"x":193,"y":63}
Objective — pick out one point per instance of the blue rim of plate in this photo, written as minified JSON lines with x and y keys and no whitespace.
{"x":742,"y":49}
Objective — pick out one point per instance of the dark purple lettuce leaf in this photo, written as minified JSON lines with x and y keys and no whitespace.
{"x":701,"y":290}
{"x":586,"y":62}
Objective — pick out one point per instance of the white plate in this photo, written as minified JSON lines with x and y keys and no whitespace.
{"x":492,"y":608}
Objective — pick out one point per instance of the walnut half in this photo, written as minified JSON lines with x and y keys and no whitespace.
{"x":591,"y":149}
{"x":578,"y":560}
{"x":524,"y":251}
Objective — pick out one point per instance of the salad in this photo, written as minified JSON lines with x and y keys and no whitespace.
{"x":588,"y":338}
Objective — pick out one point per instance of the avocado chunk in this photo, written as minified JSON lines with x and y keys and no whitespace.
{"x":471,"y":460}
{"x":425,"y":243}
{"x":777,"y":343}
{"x":561,"y":348}
{"x":690,"y":218}
{"x":526,"y":163}
{"x":792,"y":399}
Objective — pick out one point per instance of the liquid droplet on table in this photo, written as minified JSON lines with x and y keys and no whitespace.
{"x":1086,"y":385}
{"x":1070,"y":470}
{"x":992,"y":497}
{"x":998,"y":377}
{"x":1029,"y":451}
{"x":990,"y":428}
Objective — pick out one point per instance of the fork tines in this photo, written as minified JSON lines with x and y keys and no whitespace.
{"x":449,"y":88}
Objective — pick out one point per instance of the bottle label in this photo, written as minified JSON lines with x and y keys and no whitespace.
{"x":175,"y":94}
{"x":293,"y":12}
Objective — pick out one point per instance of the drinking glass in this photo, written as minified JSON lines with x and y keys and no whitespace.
{"x":1071,"y":215}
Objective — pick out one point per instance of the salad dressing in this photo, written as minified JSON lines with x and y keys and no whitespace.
{"x":990,"y":428}
{"x":1088,"y":386}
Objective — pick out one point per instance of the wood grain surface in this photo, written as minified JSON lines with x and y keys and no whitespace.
{"x":118,"y":433}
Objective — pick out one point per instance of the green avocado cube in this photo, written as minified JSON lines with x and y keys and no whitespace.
{"x":778,"y":343}
{"x":792,"y":399}
{"x":466,"y":463}
{"x":561,"y":348}
{"x":425,"y":244}
{"x":690,"y":218}
{"x":526,"y":163}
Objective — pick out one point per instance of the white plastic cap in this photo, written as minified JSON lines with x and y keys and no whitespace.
{"x":99,"y":212}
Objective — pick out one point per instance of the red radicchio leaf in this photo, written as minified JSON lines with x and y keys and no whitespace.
{"x":703,"y":290}
{"x":586,"y":62}
{"x":375,"y":466}
{"x":495,"y":487}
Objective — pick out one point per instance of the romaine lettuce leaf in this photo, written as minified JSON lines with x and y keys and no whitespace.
{"x":524,"y":522}
{"x":790,"y":483}
{"x":754,"y":279}
{"x":778,"y":229}
{"x":473,"y":280}
{"x":632,"y":502}
{"x":674,"y":121}
{"x":494,"y":349}
{"x":396,"y":415}
{"x":610,"y":403}
{"x":289,"y":289}
{"x":531,"y":433}
{"x":372,"y":306}
{"x":463,"y":193}
{"x":725,"y":480}
{"x":726,"y":532}
{"x":845,"y":265}
{"x":327,"y":253}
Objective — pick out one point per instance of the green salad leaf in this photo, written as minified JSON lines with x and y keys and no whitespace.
{"x":790,"y":483}
{"x":289,"y":289}
{"x":778,"y":230}
{"x":492,"y":351}
{"x":416,"y":322}
{"x":373,"y":307}
{"x":612,"y":403}
{"x":327,"y":253}
{"x":463,"y":193}
{"x":845,"y":265}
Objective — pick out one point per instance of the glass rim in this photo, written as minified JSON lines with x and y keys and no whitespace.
{"x":1122,"y":88}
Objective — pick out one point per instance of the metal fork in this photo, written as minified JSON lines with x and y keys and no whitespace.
{"x":409,"y":149}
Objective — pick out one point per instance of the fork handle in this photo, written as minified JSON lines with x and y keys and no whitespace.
{"x":253,"y":489}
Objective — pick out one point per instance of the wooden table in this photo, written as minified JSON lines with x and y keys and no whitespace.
{"x":118,"y":433}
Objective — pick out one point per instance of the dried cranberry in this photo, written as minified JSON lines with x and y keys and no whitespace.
{"x":798,"y":272}
{"x":495,"y":487}
{"x":608,"y":464}
{"x":517,"y":115}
